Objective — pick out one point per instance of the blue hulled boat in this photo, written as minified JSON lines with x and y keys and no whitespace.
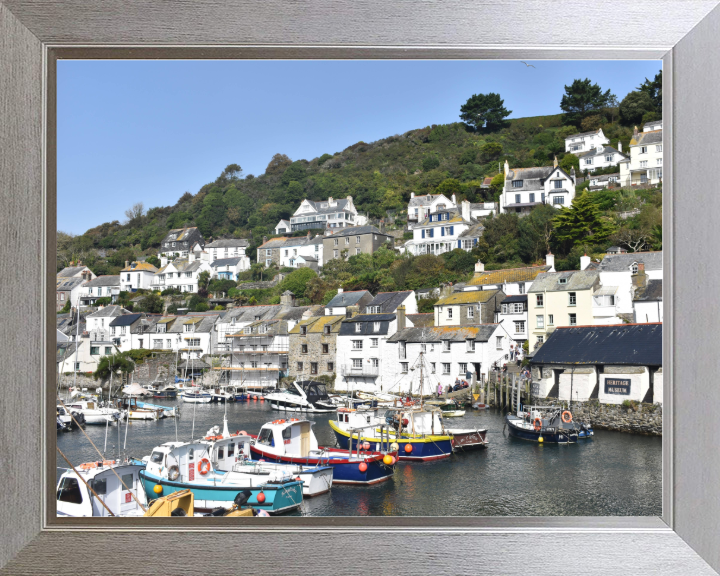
{"x":547,"y":424}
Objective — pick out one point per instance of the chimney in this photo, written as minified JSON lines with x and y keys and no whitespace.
{"x":584,"y":262}
{"x":635,"y":133}
{"x":479,"y":266}
{"x":506,"y":167}
{"x":412,"y":195}
{"x":401,"y":317}
{"x":352,"y":311}
{"x":80,"y":263}
{"x":308,"y":236}
{"x":340,"y":290}
{"x":453,"y":199}
{"x":619,"y":146}
{"x":287,"y":298}
{"x":127,"y":263}
{"x":264,"y":239}
{"x":465,"y":210}
{"x":330,"y":201}
{"x":550,"y":261}
{"x":555,"y":162}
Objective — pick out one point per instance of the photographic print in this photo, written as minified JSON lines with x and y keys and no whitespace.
{"x":359,"y":288}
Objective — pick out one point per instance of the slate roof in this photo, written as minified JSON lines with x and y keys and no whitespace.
{"x":478,"y":332}
{"x":303,"y":241}
{"x":605,"y":150}
{"x":70,"y":271}
{"x":202,"y":324}
{"x":422,"y":320}
{"x":475,"y":231}
{"x":67,"y":284}
{"x":109,"y":311}
{"x":367,"y":325}
{"x":228,"y":243}
{"x":226,"y":262}
{"x":183,"y":235}
{"x":126,"y":320}
{"x":104,"y":281}
{"x":576,"y":280}
{"x":532,"y":178}
{"x":618,"y":344}
{"x":284,"y":223}
{"x":244,"y":314}
{"x":274,"y":327}
{"x":622,"y":262}
{"x":273,"y":243}
{"x":651,"y":292}
{"x":424,"y":200}
{"x":389,"y":301}
{"x":347,"y":298}
{"x":473,"y":296}
{"x":354,"y":231}
{"x":371,"y":318}
{"x":592,"y":132}
{"x":645,"y":138}
{"x":507,"y":275}
{"x":146,"y":325}
{"x":604,"y":177}
{"x":319,"y":209}
{"x":454,"y":217}
{"x":515,"y":298}
{"x":64,"y":350}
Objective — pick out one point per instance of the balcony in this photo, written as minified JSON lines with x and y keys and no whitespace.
{"x":366,"y":370}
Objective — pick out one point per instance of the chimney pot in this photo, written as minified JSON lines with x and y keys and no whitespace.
{"x":127,"y":263}
{"x":340,"y":290}
{"x":584,"y":261}
{"x":412,"y":195}
{"x":401,"y":317}
{"x":555,"y":162}
{"x":550,"y":261}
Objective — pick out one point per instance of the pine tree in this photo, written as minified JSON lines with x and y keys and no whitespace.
{"x":582,"y":222}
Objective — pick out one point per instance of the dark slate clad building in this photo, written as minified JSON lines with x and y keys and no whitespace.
{"x":608,"y":363}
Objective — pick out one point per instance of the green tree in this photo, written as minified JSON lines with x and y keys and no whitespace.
{"x":152,"y":303}
{"x":491,"y":150}
{"x":430,"y":163}
{"x":581,"y":222}
{"x":633,"y":106}
{"x":212,"y":213}
{"x":580,"y":99}
{"x":203,"y":279}
{"x":568,"y":162}
{"x":297,"y":281}
{"x":115,"y":364}
{"x":496,"y":186}
{"x":653,"y":88}
{"x":592,"y":122}
{"x":535,"y":233}
{"x":448,"y":187}
{"x":278,"y":164}
{"x":485,"y":111}
{"x":468,"y":156}
{"x":568,"y":130}
{"x":154,"y":260}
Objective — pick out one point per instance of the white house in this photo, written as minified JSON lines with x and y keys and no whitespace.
{"x":601,"y":156}
{"x":603,"y":181}
{"x":69,"y":290}
{"x":78,"y":271}
{"x":583,"y":141}
{"x":283,"y":227}
{"x":652,"y":125}
{"x":481,"y":209}
{"x":647,"y":302}
{"x":360,"y":345}
{"x":448,"y":353}
{"x":420,"y":206}
{"x":388,"y":303}
{"x":178,"y":243}
{"x":301,"y":246}
{"x":339,"y":304}
{"x":121,"y":331}
{"x":82,"y":356}
{"x":526,"y":188}
{"x":136,"y":275}
{"x":180,"y":275}
{"x":227,"y":268}
{"x":100,"y":287}
{"x":439,"y":232}
{"x":513,"y":316}
{"x":629,"y":272}
{"x":328,"y":213}
{"x":646,"y":158}
{"x":193,"y":335}
{"x":226,"y":248}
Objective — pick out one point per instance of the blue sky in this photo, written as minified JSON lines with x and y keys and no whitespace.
{"x":148,"y":131}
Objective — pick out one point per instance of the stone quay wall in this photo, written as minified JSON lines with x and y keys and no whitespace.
{"x":636,"y":418}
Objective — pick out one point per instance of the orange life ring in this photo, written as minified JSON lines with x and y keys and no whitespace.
{"x":294,"y":420}
{"x":537,"y":424}
{"x":278,"y":421}
{"x":204,"y":468}
{"x":566,"y":417}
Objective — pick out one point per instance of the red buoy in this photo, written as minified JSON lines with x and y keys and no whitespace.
{"x":298,"y":479}
{"x":393,"y":460}
{"x":362,"y":467}
{"x":408,"y":448}
{"x":261,"y":498}
{"x":243,"y":433}
{"x":261,"y":460}
{"x":366,"y":445}
{"x":405,"y":421}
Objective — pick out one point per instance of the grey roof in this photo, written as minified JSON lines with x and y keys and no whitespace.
{"x":109,"y":312}
{"x":652,"y":123}
{"x":68,"y":283}
{"x":371,"y":318}
{"x":389,"y":301}
{"x":623,"y":262}
{"x":228,"y":243}
{"x":651,"y":292}
{"x":532,"y":178}
{"x":475,"y":231}
{"x":308,"y":258}
{"x":604,"y":177}
{"x":576,"y":280}
{"x":367,"y":325}
{"x":189,"y":235}
{"x":303,"y":241}
{"x":424,"y":200}
{"x":327,"y":209}
{"x":125,"y":320}
{"x":104,"y":281}
{"x":620,"y":344}
{"x":515,"y":298}
{"x":226,"y":262}
{"x":204,"y":325}
{"x":477,"y":332}
{"x":245,"y":314}
{"x":422,"y":320}
{"x":273,"y":243}
{"x":605,"y":150}
{"x":64,"y":350}
{"x":583,"y":134}
{"x":354,"y":231}
{"x":146,"y":324}
{"x":70,"y":271}
{"x":347,"y":299}
{"x":645,"y":138}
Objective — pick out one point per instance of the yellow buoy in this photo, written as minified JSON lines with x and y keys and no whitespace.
{"x":388,"y":460}
{"x":157,"y":489}
{"x":540,"y":439}
{"x":394,"y":447}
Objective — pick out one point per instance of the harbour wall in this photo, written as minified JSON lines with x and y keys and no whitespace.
{"x":161,"y":367}
{"x":634,"y":417}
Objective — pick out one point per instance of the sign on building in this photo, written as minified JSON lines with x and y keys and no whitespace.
{"x":617,"y":386}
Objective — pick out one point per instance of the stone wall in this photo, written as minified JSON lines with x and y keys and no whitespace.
{"x":314,"y":342}
{"x":161,"y":367}
{"x":638,"y":419}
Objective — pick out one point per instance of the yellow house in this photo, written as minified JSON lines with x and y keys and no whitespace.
{"x":560,"y":299}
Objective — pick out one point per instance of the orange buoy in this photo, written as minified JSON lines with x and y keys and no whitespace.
{"x":362,"y":467}
{"x":298,"y":479}
{"x":366,"y":446}
{"x":388,"y":460}
{"x":566,"y":417}
{"x":203,"y":466}
{"x":408,"y":448}
{"x":261,"y":498}
{"x":243,"y":433}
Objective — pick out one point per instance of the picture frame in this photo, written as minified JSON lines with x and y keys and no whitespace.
{"x":33,"y":36}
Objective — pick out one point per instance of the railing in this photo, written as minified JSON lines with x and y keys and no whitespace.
{"x":364,"y":370}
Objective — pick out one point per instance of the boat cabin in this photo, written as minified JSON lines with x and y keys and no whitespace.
{"x":352,"y":418}
{"x":226,"y":452}
{"x":74,"y":498}
{"x":428,"y":421}
{"x":292,"y":437}
{"x":183,"y":455}
{"x":313,"y":391}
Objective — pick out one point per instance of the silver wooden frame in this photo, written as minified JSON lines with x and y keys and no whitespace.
{"x":33,"y":35}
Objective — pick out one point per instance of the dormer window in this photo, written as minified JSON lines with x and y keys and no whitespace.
{"x":303,"y":330}
{"x":517,"y":183}
{"x":562,"y":281}
{"x":189,"y":327}
{"x":263,"y":328}
{"x":247,"y":330}
{"x":326,"y":329}
{"x":376,"y":326}
{"x":634,"y":268}
{"x":358,"y":327}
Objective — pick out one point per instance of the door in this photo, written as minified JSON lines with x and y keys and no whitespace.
{"x":127,"y":502}
{"x":304,"y":439}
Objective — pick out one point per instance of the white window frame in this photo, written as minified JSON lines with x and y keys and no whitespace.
{"x":498,"y":342}
{"x":540,"y":321}
{"x":572,"y":298}
{"x":446,"y":368}
{"x":572,"y":319}
{"x":471,"y":312}
{"x":446,"y":345}
{"x":374,"y":342}
{"x":519,"y":326}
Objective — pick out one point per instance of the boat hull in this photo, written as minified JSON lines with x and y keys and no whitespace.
{"x":197,"y":399}
{"x":279,"y":498}
{"x":170,"y":394}
{"x":423,"y":449}
{"x":467,"y":439}
{"x":285,"y":406}
{"x":555,"y":436}
{"x":316,"y":480}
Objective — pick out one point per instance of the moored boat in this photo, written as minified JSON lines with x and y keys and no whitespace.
{"x":550,"y":424}
{"x":302,"y":396}
{"x":196,"y":396}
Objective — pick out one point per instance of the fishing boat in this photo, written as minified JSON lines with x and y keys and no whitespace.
{"x":67,"y":420}
{"x":186,"y":465}
{"x":302,"y":396}
{"x":418,"y":432}
{"x":160,"y":390}
{"x":378,"y":398}
{"x":93,"y":412}
{"x":134,"y":411}
{"x":182,"y":503}
{"x":115,"y":490}
{"x":293,"y":442}
{"x":197,"y":396}
{"x":449,"y":408}
{"x":165,"y":411}
{"x":222,"y":394}
{"x":546,"y":424}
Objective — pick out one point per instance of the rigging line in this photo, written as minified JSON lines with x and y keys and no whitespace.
{"x":84,"y":482}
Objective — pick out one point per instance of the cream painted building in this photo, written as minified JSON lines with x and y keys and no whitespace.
{"x":646,"y":157}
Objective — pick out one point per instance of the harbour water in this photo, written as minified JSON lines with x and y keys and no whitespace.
{"x":615,"y":474}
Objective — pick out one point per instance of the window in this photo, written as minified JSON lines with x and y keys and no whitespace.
{"x":608,"y":158}
{"x":287,"y":252}
{"x":643,"y":163}
{"x":123,"y":329}
{"x":374,"y":342}
{"x":446,"y":367}
{"x":432,"y":367}
{"x":69,"y":491}
{"x":539,"y":300}
{"x":187,"y":327}
{"x":558,"y":200}
{"x":325,"y":348}
{"x":449,"y":312}
{"x":403,"y":367}
{"x":268,"y":262}
{"x":558,"y":184}
{"x":540,"y":340}
{"x":521,"y":287}
{"x":191,"y":342}
{"x":335,"y":242}
{"x":504,"y":308}
{"x":605,"y":300}
{"x":303,"y":330}
{"x":658,"y":148}
{"x":573,"y":319}
{"x":498,"y":342}
{"x":357,"y":251}
{"x":357,"y":363}
{"x":268,"y":252}
{"x":659,"y":161}
{"x":587,"y":161}
{"x":300,"y":366}
{"x":335,"y":253}
{"x":517,"y":183}
{"x":562,"y":280}
{"x":140,"y":343}
{"x":157,"y":344}
{"x":331,"y":366}
{"x":313,"y":368}
{"x":540,"y":321}
{"x":169,"y":344}
{"x":326,"y":329}
{"x":471,"y":312}
{"x":520,"y":327}
{"x":347,"y":240}
{"x":643,"y":149}
{"x":376,"y":326}
{"x":358,"y":327}
{"x":446,"y":345}
{"x":542,"y":196}
{"x":357,"y":239}
{"x":304,"y":349}
{"x":108,"y":350}
{"x":255,"y":364}
{"x":463,"y":367}
{"x":532,"y":197}
{"x":94,"y":350}
{"x":572,"y":298}
{"x":517,"y":198}
{"x":357,"y":344}
{"x":471,"y":345}
{"x":551,"y":320}
{"x":99,"y":486}
{"x":160,"y":328}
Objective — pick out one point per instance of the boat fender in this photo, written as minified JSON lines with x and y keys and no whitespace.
{"x":566,"y":417}
{"x":203,"y":466}
{"x":173,"y":473}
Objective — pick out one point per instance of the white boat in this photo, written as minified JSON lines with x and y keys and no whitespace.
{"x":196,"y":396}
{"x":381,"y":398}
{"x":74,"y":498}
{"x":165,"y":411}
{"x":223,"y":394}
{"x":93,"y":412}
{"x":302,"y":396}
{"x":132,"y":409}
{"x":64,"y":417}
